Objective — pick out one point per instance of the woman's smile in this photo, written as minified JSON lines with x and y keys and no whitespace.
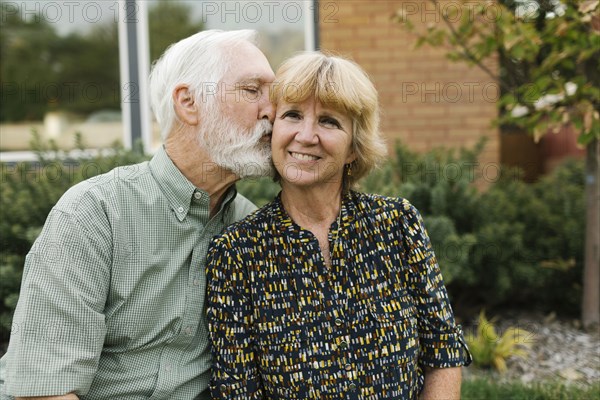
{"x":303,"y":156}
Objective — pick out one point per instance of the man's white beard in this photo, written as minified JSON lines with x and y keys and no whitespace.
{"x":237,"y":149}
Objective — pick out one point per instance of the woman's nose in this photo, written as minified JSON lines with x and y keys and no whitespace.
{"x":307,"y":134}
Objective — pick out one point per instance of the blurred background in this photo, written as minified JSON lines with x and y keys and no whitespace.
{"x":491,"y":110}
{"x":60,"y":60}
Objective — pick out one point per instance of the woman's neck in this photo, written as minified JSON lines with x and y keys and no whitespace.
{"x":311,"y":207}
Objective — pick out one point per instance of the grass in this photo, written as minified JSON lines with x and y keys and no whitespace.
{"x":483,"y":389}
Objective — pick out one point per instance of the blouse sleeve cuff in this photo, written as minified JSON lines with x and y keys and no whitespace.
{"x":444,"y":349}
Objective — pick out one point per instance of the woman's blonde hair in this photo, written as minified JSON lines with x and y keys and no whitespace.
{"x":341,"y":84}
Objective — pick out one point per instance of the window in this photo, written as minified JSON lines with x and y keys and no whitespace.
{"x":60,"y":70}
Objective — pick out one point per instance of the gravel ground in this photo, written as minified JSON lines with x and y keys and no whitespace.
{"x":560,"y":352}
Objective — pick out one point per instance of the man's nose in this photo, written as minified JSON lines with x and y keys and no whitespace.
{"x":266,"y":108}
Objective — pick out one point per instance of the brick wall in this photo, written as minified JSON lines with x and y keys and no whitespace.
{"x":427,"y":100}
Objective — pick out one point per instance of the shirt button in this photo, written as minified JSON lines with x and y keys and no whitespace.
{"x":348,"y":367}
{"x":338,"y":322}
{"x":223,"y":387}
{"x":352,"y":387}
{"x":197,"y":195}
{"x":168,"y":368}
{"x":180,"y":210}
{"x":344,"y":345}
{"x":196,"y":282}
{"x":188,"y":331}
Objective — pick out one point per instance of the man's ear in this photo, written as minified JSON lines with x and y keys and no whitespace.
{"x":185,"y":106}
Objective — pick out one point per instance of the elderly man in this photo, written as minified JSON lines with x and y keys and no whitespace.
{"x":112,"y":300}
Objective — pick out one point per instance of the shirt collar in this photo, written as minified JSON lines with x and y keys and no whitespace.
{"x":178,"y":189}
{"x":175,"y":186}
{"x":226,"y":210}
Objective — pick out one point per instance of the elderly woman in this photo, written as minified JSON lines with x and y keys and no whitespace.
{"x":328,"y":293}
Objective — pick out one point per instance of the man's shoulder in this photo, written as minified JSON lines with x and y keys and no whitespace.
{"x":242,"y":207}
{"x":103,"y":187}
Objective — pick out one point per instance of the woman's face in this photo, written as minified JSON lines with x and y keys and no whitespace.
{"x":311,"y":143}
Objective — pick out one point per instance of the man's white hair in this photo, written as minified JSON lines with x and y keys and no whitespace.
{"x":199,"y":61}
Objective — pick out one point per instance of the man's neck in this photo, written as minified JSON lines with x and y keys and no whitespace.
{"x":197,"y":166}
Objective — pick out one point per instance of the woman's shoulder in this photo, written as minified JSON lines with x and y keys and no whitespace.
{"x":376,"y":203}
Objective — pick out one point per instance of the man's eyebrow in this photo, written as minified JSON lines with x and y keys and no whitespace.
{"x":245,"y":81}
{"x":253,"y":79}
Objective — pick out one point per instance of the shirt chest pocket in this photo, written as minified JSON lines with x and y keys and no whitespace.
{"x":283,"y":359}
{"x":387,"y":331}
{"x":395,"y":323}
{"x":387,"y":345}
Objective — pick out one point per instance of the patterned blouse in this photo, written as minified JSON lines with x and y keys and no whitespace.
{"x":285,"y":326}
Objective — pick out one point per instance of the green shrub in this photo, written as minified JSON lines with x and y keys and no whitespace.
{"x":529,"y":242}
{"x":258,"y":190}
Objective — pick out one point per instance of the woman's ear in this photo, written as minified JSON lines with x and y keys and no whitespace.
{"x":351,"y":157}
{"x":185,"y":106}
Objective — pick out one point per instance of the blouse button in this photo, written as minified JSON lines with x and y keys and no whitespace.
{"x":339,"y":322}
{"x":352,"y":387}
{"x":344,"y":345}
{"x":348,"y":367}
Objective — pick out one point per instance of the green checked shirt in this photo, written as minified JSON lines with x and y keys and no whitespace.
{"x":112,"y":303}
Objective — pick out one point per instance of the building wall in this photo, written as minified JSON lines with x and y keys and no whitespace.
{"x":427,"y":100}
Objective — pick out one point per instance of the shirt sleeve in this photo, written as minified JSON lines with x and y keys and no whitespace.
{"x":229,"y":305}
{"x":441,"y":340}
{"x":59,"y":326}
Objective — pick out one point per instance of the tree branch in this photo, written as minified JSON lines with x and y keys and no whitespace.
{"x":466,"y":52}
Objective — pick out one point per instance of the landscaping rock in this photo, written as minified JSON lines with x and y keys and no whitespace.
{"x":559,"y":351}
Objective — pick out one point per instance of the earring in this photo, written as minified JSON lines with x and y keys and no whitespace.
{"x":349,"y":169}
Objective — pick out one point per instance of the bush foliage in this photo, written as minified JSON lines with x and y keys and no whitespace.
{"x":512,"y":244}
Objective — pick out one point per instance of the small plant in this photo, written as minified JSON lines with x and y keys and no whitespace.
{"x":489,"y":349}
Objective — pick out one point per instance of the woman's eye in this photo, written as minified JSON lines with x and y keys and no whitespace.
{"x":291,"y":114}
{"x":251,"y":90}
{"x":330,"y":122}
